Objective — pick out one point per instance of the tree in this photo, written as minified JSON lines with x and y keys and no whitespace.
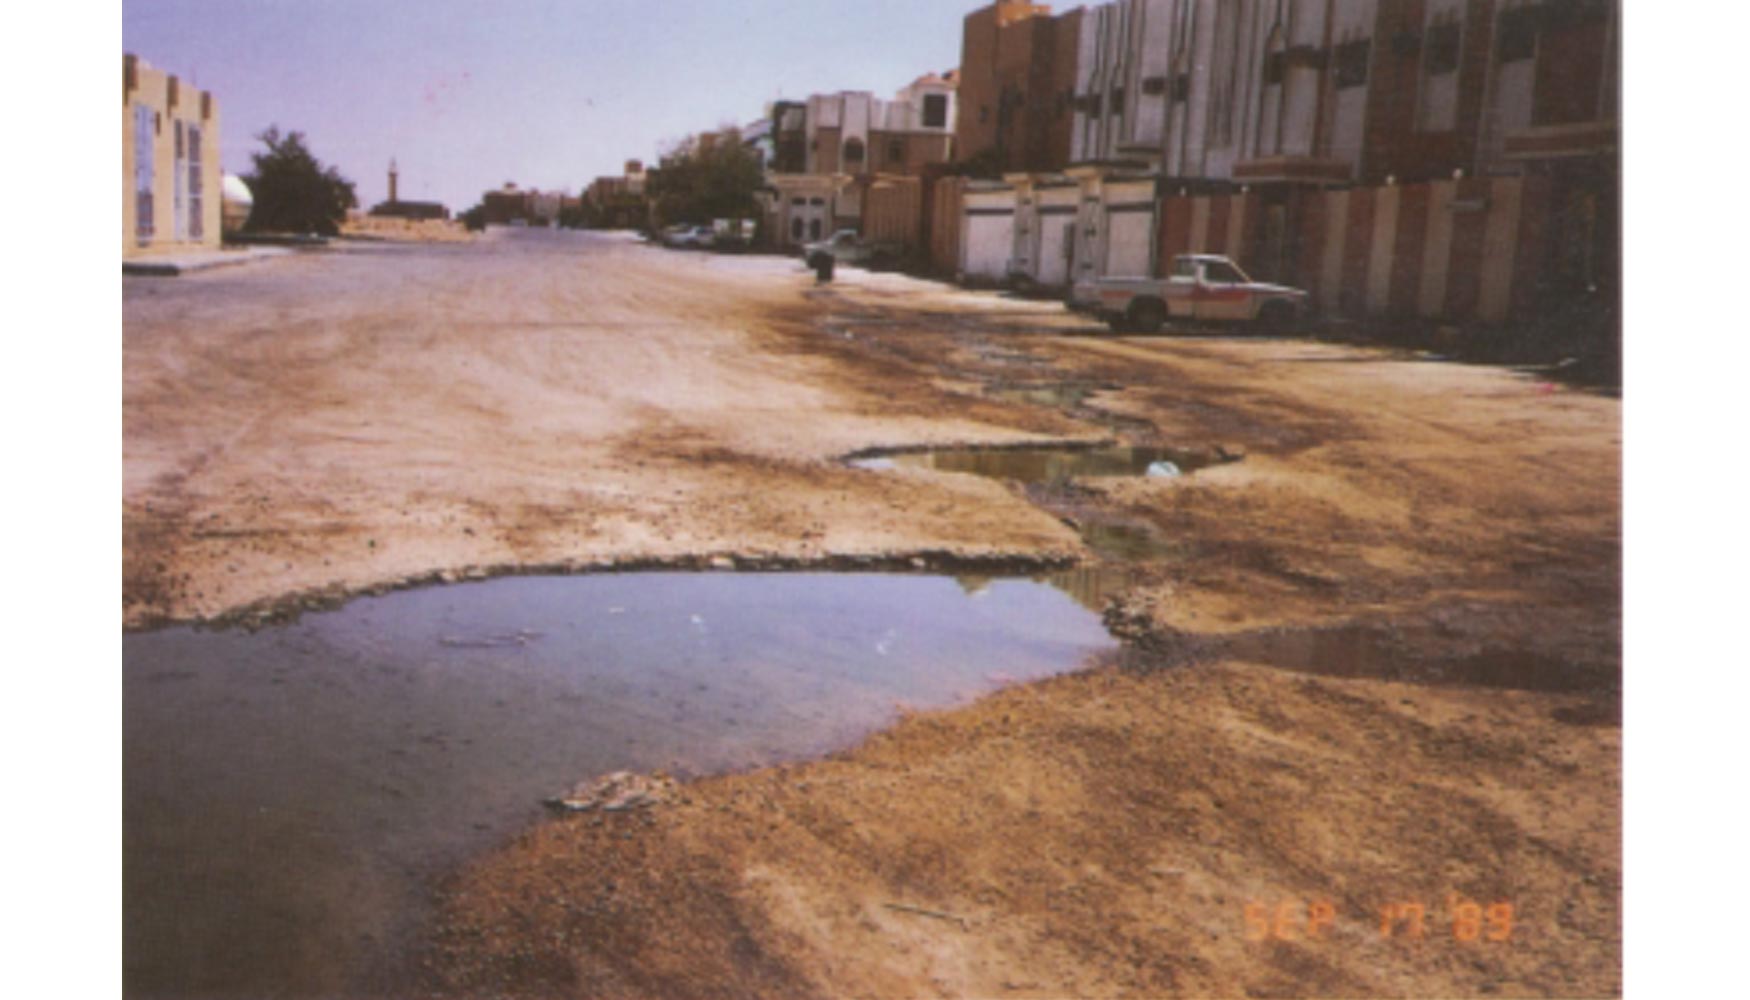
{"x":714,"y":180}
{"x":294,"y":192}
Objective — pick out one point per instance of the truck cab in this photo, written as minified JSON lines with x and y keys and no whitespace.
{"x":1198,"y":288}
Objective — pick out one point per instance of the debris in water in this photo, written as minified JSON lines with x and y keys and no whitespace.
{"x":1162,"y":469}
{"x":616,"y":792}
{"x":520,"y":637}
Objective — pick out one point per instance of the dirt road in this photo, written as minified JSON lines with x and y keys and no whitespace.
{"x":1364,"y":739}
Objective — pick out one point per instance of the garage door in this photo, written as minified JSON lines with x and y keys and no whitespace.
{"x":1055,"y":233}
{"x":989,"y":240}
{"x":1130,"y":237}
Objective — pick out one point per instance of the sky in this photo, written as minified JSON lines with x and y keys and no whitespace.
{"x":466,"y":95}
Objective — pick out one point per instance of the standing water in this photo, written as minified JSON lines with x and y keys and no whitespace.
{"x":289,"y":794}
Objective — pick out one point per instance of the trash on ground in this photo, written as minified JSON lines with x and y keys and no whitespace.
{"x":616,"y":792}
{"x":1163,"y":469}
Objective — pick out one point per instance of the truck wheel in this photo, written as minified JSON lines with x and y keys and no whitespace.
{"x":1146,"y":316}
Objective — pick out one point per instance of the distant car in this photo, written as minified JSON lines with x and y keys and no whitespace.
{"x":1200,"y":287}
{"x":688,"y":237}
{"x":847,"y":247}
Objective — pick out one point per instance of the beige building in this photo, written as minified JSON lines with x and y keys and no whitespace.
{"x":171,"y":186}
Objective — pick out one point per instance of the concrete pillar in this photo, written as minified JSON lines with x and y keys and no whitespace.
{"x":1436,"y":250}
{"x":1381,"y":248}
{"x":1500,"y":249}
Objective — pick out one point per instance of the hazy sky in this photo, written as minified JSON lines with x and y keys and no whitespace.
{"x":468,"y":94}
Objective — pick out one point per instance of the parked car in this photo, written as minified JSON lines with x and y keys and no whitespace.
{"x":847,"y":247}
{"x":733,"y":235}
{"x":685,"y":237}
{"x":1200,"y":287}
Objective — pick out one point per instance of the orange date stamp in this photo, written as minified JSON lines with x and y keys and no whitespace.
{"x":1462,"y":920}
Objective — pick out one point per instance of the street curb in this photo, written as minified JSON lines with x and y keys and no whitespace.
{"x":171,"y":267}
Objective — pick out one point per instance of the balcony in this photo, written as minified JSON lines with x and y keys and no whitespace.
{"x":1292,"y":170}
{"x":1552,"y":142}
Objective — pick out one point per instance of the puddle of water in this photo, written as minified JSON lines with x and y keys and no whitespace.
{"x":1123,"y":542}
{"x":1091,"y":586}
{"x":289,"y":794}
{"x":1045,"y":464}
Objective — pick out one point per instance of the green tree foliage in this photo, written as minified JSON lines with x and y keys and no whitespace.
{"x":294,"y":192}
{"x":714,"y":180}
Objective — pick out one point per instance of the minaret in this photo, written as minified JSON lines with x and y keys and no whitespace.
{"x":392,"y":176}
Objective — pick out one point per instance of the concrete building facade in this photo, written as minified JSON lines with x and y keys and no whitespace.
{"x":1017,"y":80}
{"x":171,"y":182}
{"x":853,"y":132}
{"x":619,"y":202}
{"x":853,"y":147}
{"x":1289,"y":132}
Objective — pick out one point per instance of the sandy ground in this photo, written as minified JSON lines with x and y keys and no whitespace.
{"x":406,"y":230}
{"x":1376,"y":667}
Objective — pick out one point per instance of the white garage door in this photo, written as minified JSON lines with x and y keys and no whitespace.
{"x":989,"y":240}
{"x":1130,"y":235}
{"x":1055,"y":233}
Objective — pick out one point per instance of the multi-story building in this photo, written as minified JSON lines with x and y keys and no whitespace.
{"x":850,"y":141}
{"x":789,"y":137}
{"x":1343,"y":91}
{"x":1450,"y":159}
{"x":856,"y":133}
{"x":513,"y":205}
{"x":619,"y":202}
{"x":170,"y":162}
{"x":1017,"y":81}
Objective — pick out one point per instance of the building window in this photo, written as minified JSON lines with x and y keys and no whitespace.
{"x":1352,"y":63}
{"x":1154,"y":86}
{"x":895,"y":151}
{"x":935,"y":111}
{"x":1441,"y":49}
{"x":814,"y":229}
{"x":1181,"y":88}
{"x":983,"y":113}
{"x":795,"y":229}
{"x":179,"y":179}
{"x":1117,"y":105}
{"x":196,"y":227}
{"x":853,"y":151}
{"x":145,"y":127}
{"x":1518,"y":35}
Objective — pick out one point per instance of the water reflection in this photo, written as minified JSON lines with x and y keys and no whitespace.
{"x":288,"y":793}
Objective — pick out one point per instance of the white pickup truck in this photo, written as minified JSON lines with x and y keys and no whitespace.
{"x":1199,"y":287}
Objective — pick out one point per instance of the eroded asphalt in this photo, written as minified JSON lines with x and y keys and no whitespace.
{"x":1372,"y":654}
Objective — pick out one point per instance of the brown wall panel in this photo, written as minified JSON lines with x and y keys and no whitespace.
{"x":1464,"y":272}
{"x":1406,"y":276}
{"x":1357,"y":246}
